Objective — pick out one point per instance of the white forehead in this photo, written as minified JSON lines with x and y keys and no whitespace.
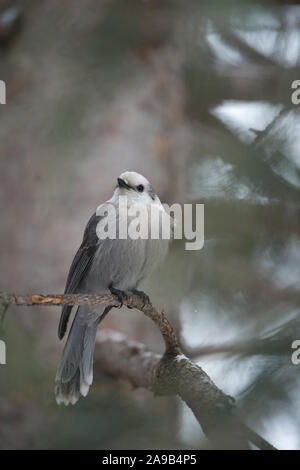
{"x":133,"y":178}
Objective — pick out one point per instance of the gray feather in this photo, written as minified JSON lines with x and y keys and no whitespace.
{"x":79,"y":268}
{"x":75,"y":371}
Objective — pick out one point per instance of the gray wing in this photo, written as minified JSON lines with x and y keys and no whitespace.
{"x":79,"y":268}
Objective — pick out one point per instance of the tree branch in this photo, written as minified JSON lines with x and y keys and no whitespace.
{"x":132,"y":301}
{"x":169,"y":374}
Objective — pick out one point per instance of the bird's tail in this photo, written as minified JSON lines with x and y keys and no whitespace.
{"x":75,"y":371}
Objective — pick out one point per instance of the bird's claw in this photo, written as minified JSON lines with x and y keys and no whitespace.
{"x":145,"y":298}
{"x":120,"y":294}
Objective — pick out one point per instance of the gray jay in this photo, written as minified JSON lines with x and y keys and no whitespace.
{"x":103,"y":265}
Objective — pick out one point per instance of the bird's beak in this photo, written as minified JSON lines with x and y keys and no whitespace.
{"x":123,"y":184}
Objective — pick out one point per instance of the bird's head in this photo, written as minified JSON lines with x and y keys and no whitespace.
{"x":136,"y":188}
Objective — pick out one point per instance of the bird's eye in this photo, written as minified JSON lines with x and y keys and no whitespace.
{"x":140,"y":188}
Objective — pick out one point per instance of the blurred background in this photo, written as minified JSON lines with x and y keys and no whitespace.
{"x":197,"y":97}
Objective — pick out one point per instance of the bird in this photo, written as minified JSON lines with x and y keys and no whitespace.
{"x":106,"y":265}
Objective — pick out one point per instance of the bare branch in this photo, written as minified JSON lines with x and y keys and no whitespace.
{"x":169,"y":374}
{"x":132,"y":301}
{"x":175,"y":374}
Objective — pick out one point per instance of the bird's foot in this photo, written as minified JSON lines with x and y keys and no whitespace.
{"x":145,"y":298}
{"x":120,"y":294}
